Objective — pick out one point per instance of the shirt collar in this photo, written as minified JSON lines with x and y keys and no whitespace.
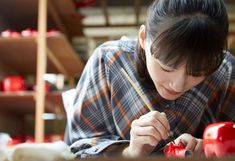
{"x":127,"y":44}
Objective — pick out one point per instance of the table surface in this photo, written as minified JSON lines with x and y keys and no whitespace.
{"x":160,"y":158}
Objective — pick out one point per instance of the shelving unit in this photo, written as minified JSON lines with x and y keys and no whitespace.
{"x":20,"y":56}
{"x":23,"y":103}
{"x":22,"y":14}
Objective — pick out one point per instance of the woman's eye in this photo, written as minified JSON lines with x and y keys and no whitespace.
{"x":166,"y":70}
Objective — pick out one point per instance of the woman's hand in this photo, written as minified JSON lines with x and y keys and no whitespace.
{"x":146,"y":132}
{"x":191,"y":143}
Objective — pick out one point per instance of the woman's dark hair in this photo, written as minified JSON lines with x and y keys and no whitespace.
{"x":191,"y":31}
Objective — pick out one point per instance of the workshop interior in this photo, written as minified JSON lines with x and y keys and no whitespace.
{"x":44,"y":47}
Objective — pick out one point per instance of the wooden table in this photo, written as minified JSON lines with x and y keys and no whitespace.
{"x":160,"y":158}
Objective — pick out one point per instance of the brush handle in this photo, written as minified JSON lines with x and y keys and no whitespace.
{"x":137,"y":90}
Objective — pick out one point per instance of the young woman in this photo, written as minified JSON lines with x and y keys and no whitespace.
{"x":181,"y":66}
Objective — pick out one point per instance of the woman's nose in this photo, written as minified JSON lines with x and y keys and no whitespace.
{"x":178,"y":83}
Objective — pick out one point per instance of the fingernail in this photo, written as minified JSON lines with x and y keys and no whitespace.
{"x":188,"y":153}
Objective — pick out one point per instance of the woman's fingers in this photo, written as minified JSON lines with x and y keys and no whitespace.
{"x":155,"y":124}
{"x":195,"y":145}
{"x":190,"y":143}
{"x":163,"y":119}
{"x":146,"y":131}
{"x":199,"y":148}
{"x":159,"y":116}
{"x":145,"y":139}
{"x":157,"y":120}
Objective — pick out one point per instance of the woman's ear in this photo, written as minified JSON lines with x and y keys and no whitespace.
{"x":142,"y":36}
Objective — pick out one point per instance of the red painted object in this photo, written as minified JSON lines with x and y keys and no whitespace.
{"x":13,"y":84}
{"x":85,"y":3}
{"x":53,"y":32}
{"x":177,"y":151}
{"x":47,"y":88}
{"x":10,"y":34}
{"x":29,"y":33}
{"x":14,"y":141}
{"x":219,"y":139}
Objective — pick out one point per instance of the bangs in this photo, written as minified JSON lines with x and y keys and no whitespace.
{"x":194,"y":40}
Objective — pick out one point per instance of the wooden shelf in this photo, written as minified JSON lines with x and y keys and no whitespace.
{"x":22,"y":103}
{"x":69,"y":59}
{"x":22,"y":14}
{"x":19,"y":55}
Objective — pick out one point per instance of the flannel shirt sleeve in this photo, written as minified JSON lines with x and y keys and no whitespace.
{"x":228,"y":106}
{"x":89,"y":120}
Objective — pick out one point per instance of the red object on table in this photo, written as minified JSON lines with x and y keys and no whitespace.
{"x":219,"y":139}
{"x":13,"y":84}
{"x":178,"y":151}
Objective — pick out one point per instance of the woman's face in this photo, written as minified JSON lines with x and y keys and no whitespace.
{"x":170,"y":83}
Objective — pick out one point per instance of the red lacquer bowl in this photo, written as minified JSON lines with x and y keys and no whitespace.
{"x":219,"y":139}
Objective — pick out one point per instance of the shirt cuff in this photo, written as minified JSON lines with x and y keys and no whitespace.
{"x":83,"y":149}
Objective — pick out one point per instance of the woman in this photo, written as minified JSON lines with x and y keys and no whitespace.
{"x":180,"y":65}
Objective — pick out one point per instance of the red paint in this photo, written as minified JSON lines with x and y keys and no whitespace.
{"x":219,"y":139}
{"x":178,"y":151}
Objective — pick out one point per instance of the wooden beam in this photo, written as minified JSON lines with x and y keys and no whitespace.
{"x":41,"y":69}
{"x":57,"y":19}
{"x":137,"y":10}
{"x":229,"y":1}
{"x":56,"y":62}
{"x":232,"y":20}
{"x":114,"y":25}
{"x":103,"y":4}
{"x":231,"y":33}
{"x":66,"y":55}
{"x":231,"y":40}
{"x":128,"y":25}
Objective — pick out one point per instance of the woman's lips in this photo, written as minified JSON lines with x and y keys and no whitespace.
{"x":171,"y":92}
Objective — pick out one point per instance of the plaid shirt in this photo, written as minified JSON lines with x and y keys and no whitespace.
{"x":105,"y":103}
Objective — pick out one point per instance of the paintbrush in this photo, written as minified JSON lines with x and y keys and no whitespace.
{"x":137,"y":90}
{"x":171,"y":138}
